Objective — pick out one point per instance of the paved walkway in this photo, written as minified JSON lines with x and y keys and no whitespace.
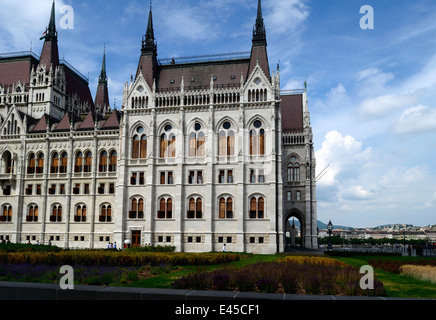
{"x":40,"y":291}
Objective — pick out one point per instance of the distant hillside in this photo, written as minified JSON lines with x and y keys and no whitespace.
{"x":321,"y":225}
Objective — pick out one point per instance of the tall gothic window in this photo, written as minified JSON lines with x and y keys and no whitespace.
{"x":165,"y":209}
{"x":105,"y":213}
{"x":80,"y":214}
{"x":55,"y":163}
{"x":139,"y":144}
{"x":257,"y":139}
{"x":88,"y":162}
{"x":196,"y":142}
{"x":226,"y":143}
{"x":78,"y":167}
{"x":225,"y":208}
{"x":103,"y":162}
{"x":6,"y":213}
{"x":168,"y":143}
{"x":113,"y":161}
{"x":195,"y":209}
{"x":56,"y":213}
{"x":63,"y":163}
{"x":137,"y":209}
{"x":32,"y":213}
{"x":40,"y":164}
{"x":293,"y":170}
{"x":257,"y":207}
{"x":31,"y":165}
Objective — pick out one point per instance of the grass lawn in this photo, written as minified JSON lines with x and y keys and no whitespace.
{"x":397,"y":285}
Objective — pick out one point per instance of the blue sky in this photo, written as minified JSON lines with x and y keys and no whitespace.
{"x":371,"y":93}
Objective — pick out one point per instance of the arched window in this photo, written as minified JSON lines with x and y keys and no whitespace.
{"x":196,"y":142}
{"x":226,"y":143}
{"x":7,"y":162}
{"x":257,"y":139}
{"x":136,"y":209}
{"x":6,"y":213}
{"x":88,"y":162}
{"x":105,"y":213}
{"x":64,"y":163}
{"x":80,"y":214}
{"x":31,"y":165}
{"x":78,"y":167}
{"x":113,"y":161}
{"x":32,"y":213}
{"x":139,"y":144}
{"x":56,"y":213}
{"x":293,"y":170}
{"x":195,"y":209}
{"x":40,"y":165}
{"x":103,"y":162}
{"x":168,"y":143}
{"x":165,"y":209}
{"x":54,"y":163}
{"x":225,"y":208}
{"x":257,"y":208}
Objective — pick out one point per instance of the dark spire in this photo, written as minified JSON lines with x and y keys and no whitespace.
{"x":51,"y":31}
{"x":103,"y":77}
{"x":50,"y":52}
{"x":102,"y":96}
{"x":259,"y":33}
{"x":148,"y":41}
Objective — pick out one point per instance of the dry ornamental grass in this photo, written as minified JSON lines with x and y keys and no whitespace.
{"x":427,"y":273}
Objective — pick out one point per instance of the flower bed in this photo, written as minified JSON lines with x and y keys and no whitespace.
{"x":293,"y":275}
{"x":394,"y":265}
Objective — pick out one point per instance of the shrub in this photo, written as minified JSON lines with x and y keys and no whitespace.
{"x":267,"y":285}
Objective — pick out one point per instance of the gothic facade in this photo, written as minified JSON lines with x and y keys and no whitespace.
{"x":204,"y":152}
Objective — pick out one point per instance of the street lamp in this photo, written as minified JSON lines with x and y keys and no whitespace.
{"x":330,"y":228}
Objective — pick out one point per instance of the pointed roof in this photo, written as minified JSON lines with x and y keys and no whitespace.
{"x":113,"y":122}
{"x":65,"y":124}
{"x":43,"y":123}
{"x":50,"y":51}
{"x":87,"y":123}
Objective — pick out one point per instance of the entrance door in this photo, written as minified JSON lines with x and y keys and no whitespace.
{"x":136,"y":238}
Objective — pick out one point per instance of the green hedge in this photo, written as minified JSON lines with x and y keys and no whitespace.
{"x":340,"y":253}
{"x":17,"y":247}
{"x":114,"y":258}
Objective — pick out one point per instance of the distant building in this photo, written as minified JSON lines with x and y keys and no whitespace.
{"x":205,"y":151}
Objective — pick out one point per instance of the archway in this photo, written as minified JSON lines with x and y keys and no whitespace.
{"x":294,"y":229}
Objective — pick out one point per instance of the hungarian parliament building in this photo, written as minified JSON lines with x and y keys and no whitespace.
{"x":204,"y":151}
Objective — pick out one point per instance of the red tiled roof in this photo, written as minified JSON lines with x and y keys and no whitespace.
{"x":201,"y":74}
{"x":76,"y":85}
{"x":87,"y":123}
{"x":259,"y":55}
{"x":50,"y":54}
{"x":16,"y":69}
{"x":292,"y":113}
{"x":113,"y":122}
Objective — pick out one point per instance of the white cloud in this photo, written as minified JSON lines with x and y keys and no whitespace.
{"x":285,"y":16}
{"x":374,"y":108}
{"x":416,"y":119}
{"x":33,"y":16}
{"x":341,"y":155}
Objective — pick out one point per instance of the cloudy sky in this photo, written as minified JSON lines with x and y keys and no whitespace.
{"x":371,"y":92}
